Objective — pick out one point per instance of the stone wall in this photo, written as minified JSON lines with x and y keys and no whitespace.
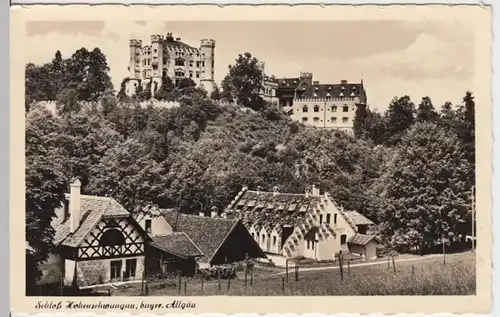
{"x":95,"y":272}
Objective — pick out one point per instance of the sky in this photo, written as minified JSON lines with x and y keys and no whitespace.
{"x":393,"y":58}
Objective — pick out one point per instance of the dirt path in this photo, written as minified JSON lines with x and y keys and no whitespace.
{"x":325,"y":268}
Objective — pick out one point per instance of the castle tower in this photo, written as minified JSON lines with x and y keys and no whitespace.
{"x":207,"y":56}
{"x":156,"y":62}
{"x":134,"y":67}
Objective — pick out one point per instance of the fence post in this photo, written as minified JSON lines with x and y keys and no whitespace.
{"x":109,"y":291}
{"x":349,"y":267}
{"x":296,"y":272}
{"x":246,"y":275}
{"x":412,"y":270}
{"x":202,"y":280}
{"x":251,"y":277}
{"x":218,"y":278}
{"x":229,"y":283}
{"x":393,"y":264}
{"x":341,"y":266}
{"x":283,"y":285}
{"x":444,"y":253}
{"x":147,"y":289}
{"x":388,"y":261}
{"x":185,"y":287}
{"x":286,"y":269}
{"x":179,"y":282}
{"x":62,"y":285}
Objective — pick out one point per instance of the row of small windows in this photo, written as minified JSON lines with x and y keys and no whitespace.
{"x":333,"y":120}
{"x":147,"y":73}
{"x":178,"y":62}
{"x":263,"y":239}
{"x":316,"y":108}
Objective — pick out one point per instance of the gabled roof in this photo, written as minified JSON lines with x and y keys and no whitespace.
{"x":358,"y":218}
{"x":177,"y":243}
{"x":288,"y":82}
{"x":362,"y":239}
{"x":311,"y":234}
{"x":270,"y":209}
{"x":93,"y":208}
{"x":206,"y":232}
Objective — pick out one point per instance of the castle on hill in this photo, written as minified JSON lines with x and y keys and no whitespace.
{"x":169,"y":56}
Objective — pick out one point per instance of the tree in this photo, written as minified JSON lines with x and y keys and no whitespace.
{"x":426,"y":111}
{"x":427,"y":188}
{"x":167,"y":89}
{"x":244,"y":82}
{"x":45,"y":189}
{"x":216,"y":93}
{"x":122,"y":93}
{"x":360,"y":121}
{"x":129,"y":174}
{"x":400,"y":116}
{"x":87,"y":72}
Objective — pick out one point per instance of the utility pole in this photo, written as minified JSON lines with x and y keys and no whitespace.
{"x":473,"y":220}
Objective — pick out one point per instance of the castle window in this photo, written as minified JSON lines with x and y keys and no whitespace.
{"x":155,"y":50}
{"x":164,"y":60}
{"x":190,"y":63}
{"x":316,"y":119}
{"x":304,"y":119}
{"x":335,"y":218}
{"x":345,"y":108}
{"x":328,"y":218}
{"x":190,"y":74}
{"x":202,"y":64}
{"x":316,"y":108}
{"x":304,"y":108}
{"x":345,"y":120}
{"x":148,"y":225}
{"x":334,"y":108}
{"x":198,"y":64}
{"x":197,"y":74}
{"x":334,"y":119}
{"x":179,"y":62}
{"x":179,"y":74}
{"x":274,"y":241}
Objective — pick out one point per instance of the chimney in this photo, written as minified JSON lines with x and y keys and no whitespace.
{"x":275,"y":190}
{"x":74,"y":205}
{"x":343,"y":82}
{"x":214,"y":212}
{"x":316,"y":82}
{"x":315,"y":191}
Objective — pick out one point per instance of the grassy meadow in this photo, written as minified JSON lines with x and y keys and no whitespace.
{"x":425,"y":276}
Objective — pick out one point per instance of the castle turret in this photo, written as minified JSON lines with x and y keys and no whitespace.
{"x":207,"y":56}
{"x":134,"y":67}
{"x":156,"y":62}
{"x":135,"y":58}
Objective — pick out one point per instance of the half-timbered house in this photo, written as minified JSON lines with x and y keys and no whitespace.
{"x":302,"y":225}
{"x":97,"y":241}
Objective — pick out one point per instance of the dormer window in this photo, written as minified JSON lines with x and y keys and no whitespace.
{"x":328,"y":95}
{"x":316,"y":108}
{"x":352,"y":94}
{"x":341,"y":94}
{"x":317,"y":89}
{"x":343,"y":88}
{"x":315,"y":95}
{"x":330,"y":88}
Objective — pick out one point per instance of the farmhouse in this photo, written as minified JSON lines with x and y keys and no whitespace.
{"x":302,"y":225}
{"x":97,"y":241}
{"x":180,"y":241}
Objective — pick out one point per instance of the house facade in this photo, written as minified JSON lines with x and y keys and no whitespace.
{"x":307,"y":225}
{"x":97,"y":241}
{"x":331,"y":106}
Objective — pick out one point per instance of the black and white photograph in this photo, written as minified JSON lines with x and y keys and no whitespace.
{"x":314,"y":157}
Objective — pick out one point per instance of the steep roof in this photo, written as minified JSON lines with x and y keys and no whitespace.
{"x":288,"y":82}
{"x":362,"y":239}
{"x":93,"y":208}
{"x":311,"y":234}
{"x":268,"y":209}
{"x":206,"y":232}
{"x":177,"y":243}
{"x":358,"y":218}
{"x":323,"y":91}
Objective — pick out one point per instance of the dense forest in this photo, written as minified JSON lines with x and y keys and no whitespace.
{"x":409,"y":169}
